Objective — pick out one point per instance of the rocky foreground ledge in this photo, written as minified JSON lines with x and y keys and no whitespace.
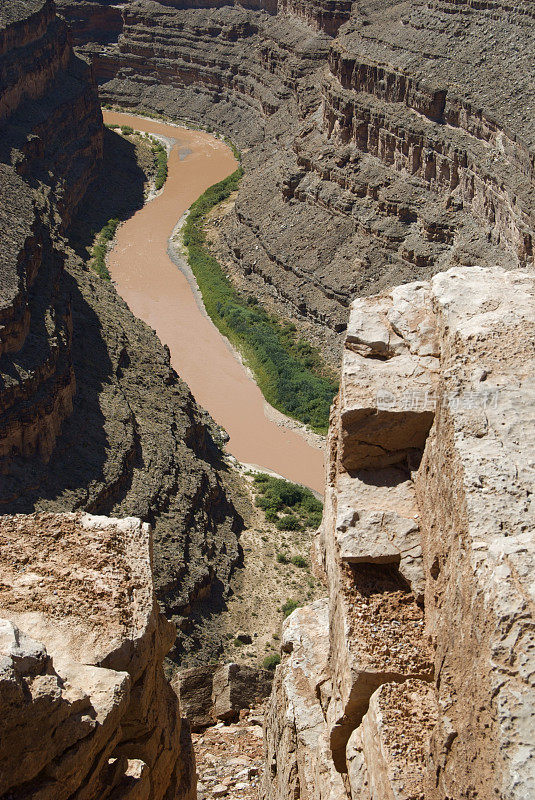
{"x":414,"y":678}
{"x":86,"y":710}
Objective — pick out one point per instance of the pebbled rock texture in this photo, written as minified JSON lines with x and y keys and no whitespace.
{"x":414,"y":679}
{"x":86,"y":709}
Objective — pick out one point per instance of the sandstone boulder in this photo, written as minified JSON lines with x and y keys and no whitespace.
{"x":236,"y":686}
{"x":211,"y":693}
{"x":86,"y":709}
{"x":194,"y":687}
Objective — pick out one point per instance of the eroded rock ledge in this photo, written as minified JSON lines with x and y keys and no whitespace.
{"x":86,"y":709}
{"x":414,"y":678}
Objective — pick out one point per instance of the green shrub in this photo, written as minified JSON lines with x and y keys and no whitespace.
{"x":298,"y":506}
{"x":100,"y":248}
{"x":126,"y":130}
{"x":314,"y":519}
{"x":282,"y":558}
{"x":271,"y":661}
{"x":160,"y":159}
{"x":299,"y":561}
{"x":288,"y":370}
{"x":288,"y":523}
{"x":289,"y":606}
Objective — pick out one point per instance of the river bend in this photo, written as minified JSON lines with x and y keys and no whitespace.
{"x":159,"y":293}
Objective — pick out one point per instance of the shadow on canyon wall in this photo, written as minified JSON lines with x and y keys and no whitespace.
{"x":116,"y":193}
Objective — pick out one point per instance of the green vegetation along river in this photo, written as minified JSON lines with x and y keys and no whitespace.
{"x":160,"y":294}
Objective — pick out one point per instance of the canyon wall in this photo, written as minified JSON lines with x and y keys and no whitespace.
{"x":51,"y":125}
{"x":91,"y":414}
{"x":382,"y":144}
{"x":413,"y":679}
{"x":382,"y":141}
{"x":86,"y":709}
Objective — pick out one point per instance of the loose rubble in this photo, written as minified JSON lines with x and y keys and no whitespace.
{"x":230,"y":758}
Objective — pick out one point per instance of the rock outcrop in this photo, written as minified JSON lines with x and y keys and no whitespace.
{"x":214,"y":692}
{"x":86,"y":709}
{"x":414,"y":678}
{"x":383,"y":141}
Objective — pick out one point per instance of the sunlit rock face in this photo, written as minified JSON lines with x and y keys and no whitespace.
{"x":82,"y":645}
{"x":417,"y":666}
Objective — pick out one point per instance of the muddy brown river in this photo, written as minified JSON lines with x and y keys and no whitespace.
{"x":159,"y":293}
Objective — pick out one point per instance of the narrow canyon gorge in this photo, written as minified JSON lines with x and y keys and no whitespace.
{"x":177,"y":619}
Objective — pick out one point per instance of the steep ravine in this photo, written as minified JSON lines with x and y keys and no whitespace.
{"x":92,"y":415}
{"x":372,"y":158}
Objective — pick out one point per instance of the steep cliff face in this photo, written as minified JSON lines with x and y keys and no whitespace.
{"x":82,"y":647}
{"x":412,"y":680}
{"x":91,"y":414}
{"x":388,"y":153}
{"x":51,"y":125}
{"x":229,"y":65}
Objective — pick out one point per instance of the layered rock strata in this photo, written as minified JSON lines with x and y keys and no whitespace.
{"x":414,"y":678}
{"x":86,"y":710}
{"x":386,"y":154}
{"x":91,"y":414}
{"x":51,"y":126}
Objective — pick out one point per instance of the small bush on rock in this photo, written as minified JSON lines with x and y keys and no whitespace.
{"x":271,"y":661}
{"x":289,"y":606}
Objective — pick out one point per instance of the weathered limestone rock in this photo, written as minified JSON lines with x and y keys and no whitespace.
{"x":389,"y":371}
{"x":297,"y":758}
{"x":377,"y":522}
{"x":86,"y":710}
{"x":427,"y":649}
{"x":474,"y":490}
